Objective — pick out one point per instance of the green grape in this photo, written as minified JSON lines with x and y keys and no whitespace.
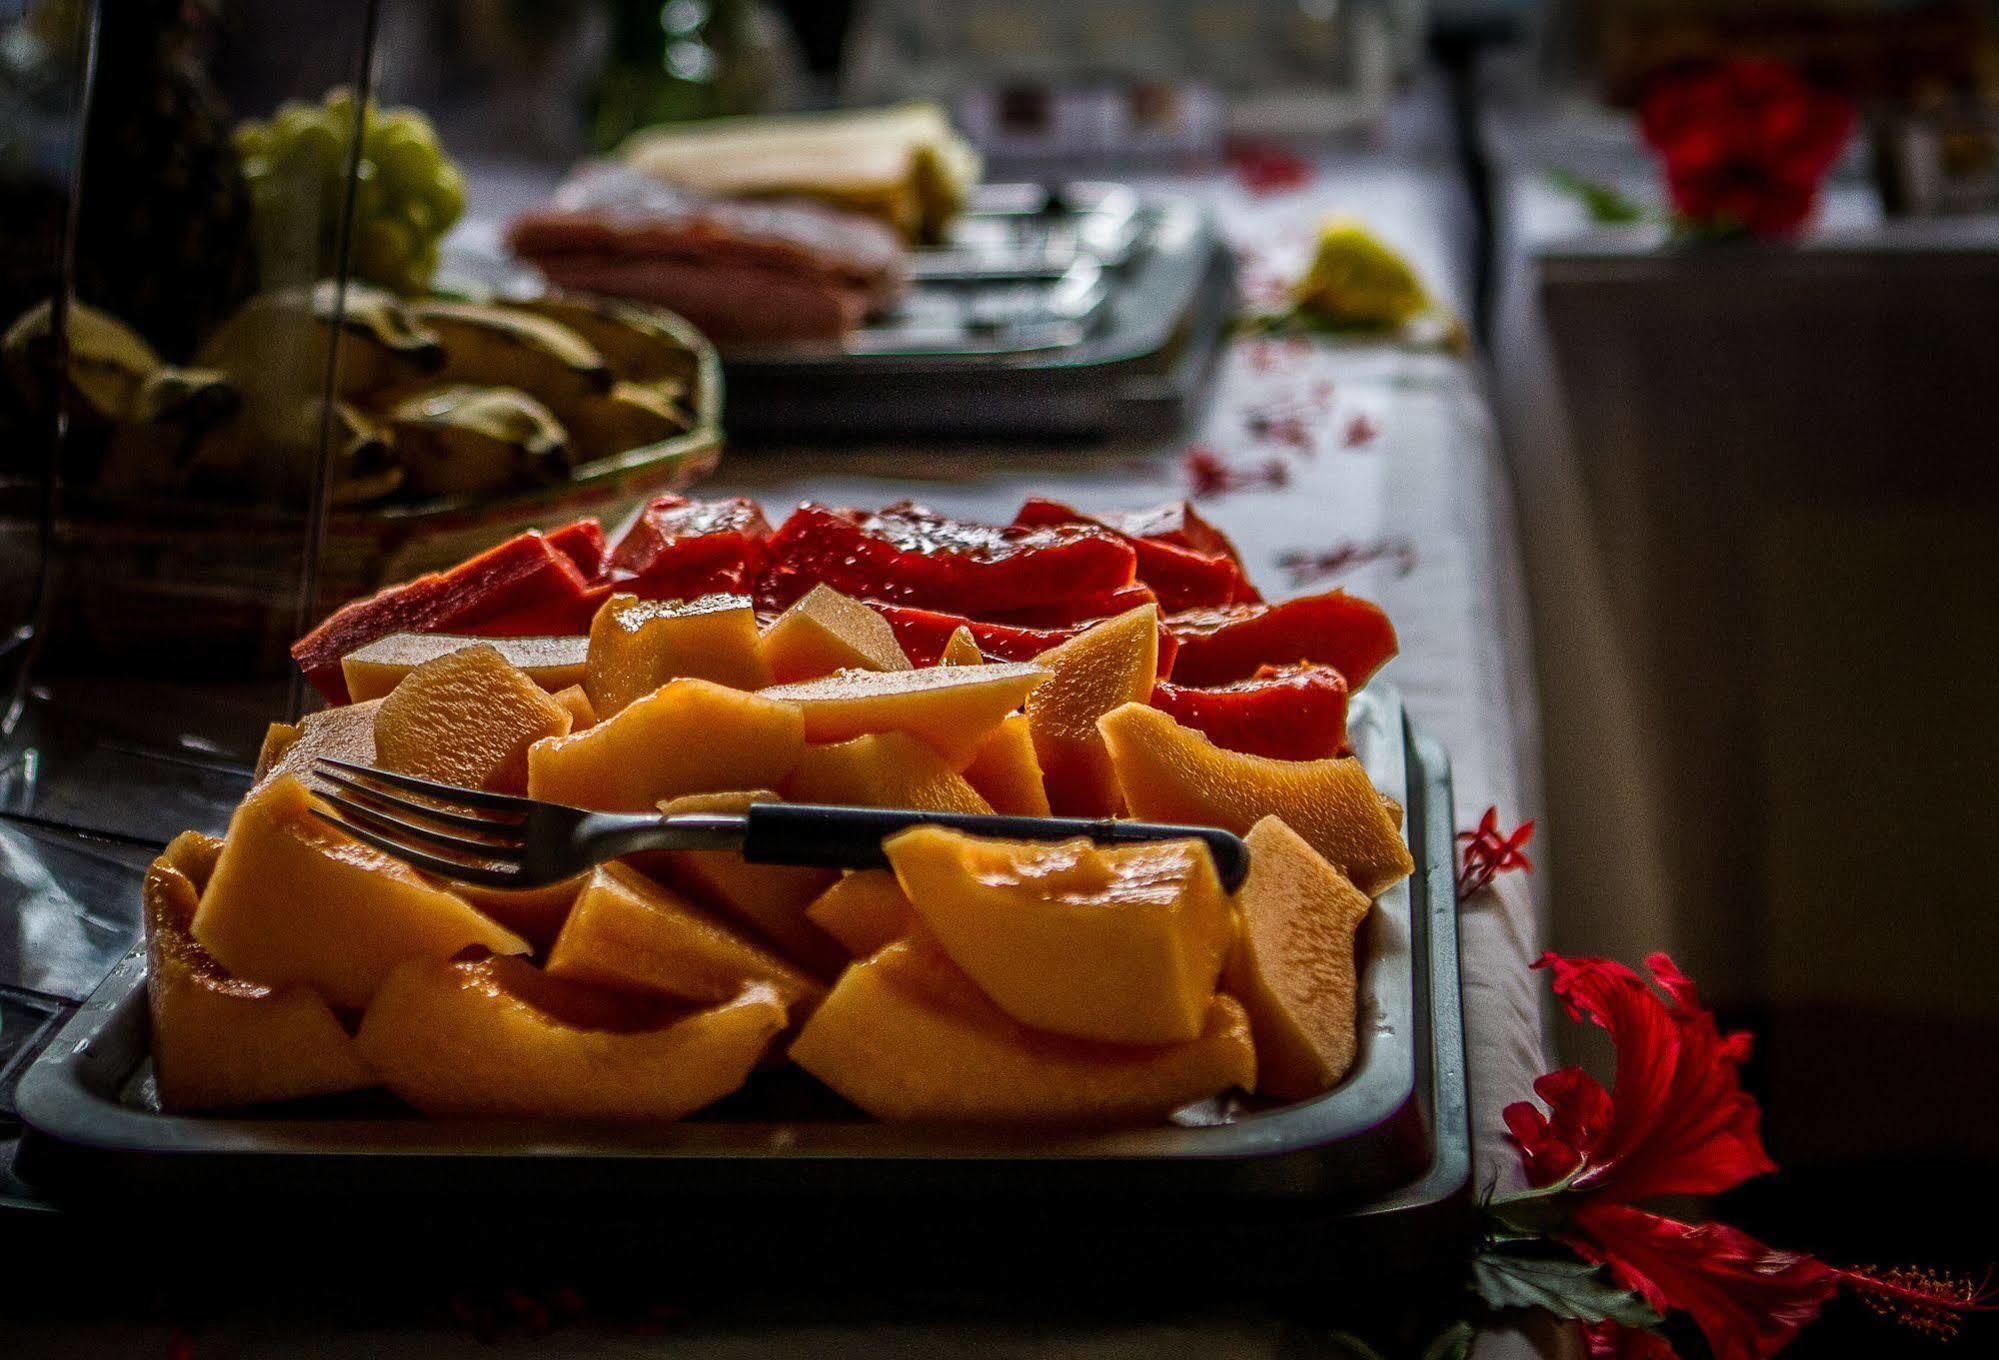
{"x":406,"y":192}
{"x":339,"y":104}
{"x":420,"y":217}
{"x":370,"y":197}
{"x":447,"y":195}
{"x":383,"y":252}
{"x":408,"y":162}
{"x":252,"y":140}
{"x":407,"y":122}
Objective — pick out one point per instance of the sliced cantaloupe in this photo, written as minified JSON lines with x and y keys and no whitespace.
{"x":344,"y":733}
{"x":628,"y":932}
{"x":218,"y":1040}
{"x":553,"y":663}
{"x":581,"y":714}
{"x":1172,"y":773}
{"x":1293,"y":965}
{"x":951,"y":709}
{"x":496,"y":1038}
{"x":770,"y":898}
{"x":961,"y":649}
{"x":294,"y":900}
{"x":865,"y":911}
{"x":638,"y":645}
{"x":1006,"y":771}
{"x":1119,"y":943}
{"x":1114,"y":663}
{"x":907,"y":1036}
{"x":691,"y":736}
{"x":886,"y":770}
{"x":534,"y":914}
{"x":825,"y":632}
{"x":467,"y":718}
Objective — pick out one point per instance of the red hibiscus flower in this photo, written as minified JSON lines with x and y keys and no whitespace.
{"x":1745,"y":143}
{"x":1748,"y":1299}
{"x":1676,"y":1121}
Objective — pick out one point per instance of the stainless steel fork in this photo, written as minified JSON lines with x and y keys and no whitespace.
{"x":500,"y":841}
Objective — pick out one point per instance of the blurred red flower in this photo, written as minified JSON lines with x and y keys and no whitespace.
{"x":1745,"y":143}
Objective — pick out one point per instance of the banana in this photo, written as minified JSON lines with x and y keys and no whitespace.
{"x":465,"y":438}
{"x":277,"y":341}
{"x":364,"y":460}
{"x":108,"y":361}
{"x":629,"y":416}
{"x":493,"y":346}
{"x":637,"y":345}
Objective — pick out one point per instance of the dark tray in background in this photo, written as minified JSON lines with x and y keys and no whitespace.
{"x":1375,"y":1162}
{"x":1078,"y":312}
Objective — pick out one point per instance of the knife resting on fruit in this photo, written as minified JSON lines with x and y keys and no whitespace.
{"x":501,"y":841}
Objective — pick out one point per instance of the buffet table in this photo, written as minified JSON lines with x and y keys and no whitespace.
{"x":1396,"y":490}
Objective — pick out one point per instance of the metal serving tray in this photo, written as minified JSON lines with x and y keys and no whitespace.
{"x":1080,"y":310}
{"x":1393,"y":1133}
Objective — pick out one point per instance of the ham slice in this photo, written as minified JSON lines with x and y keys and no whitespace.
{"x":743,"y":271}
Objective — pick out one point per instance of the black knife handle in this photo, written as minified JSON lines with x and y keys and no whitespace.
{"x":851,"y":837}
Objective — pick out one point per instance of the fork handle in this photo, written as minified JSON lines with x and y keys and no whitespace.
{"x":851,"y":838}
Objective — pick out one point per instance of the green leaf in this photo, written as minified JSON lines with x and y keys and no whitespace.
{"x":1453,"y":1343}
{"x":1353,"y":1346}
{"x":1565,"y":1287}
{"x":1605,"y":204}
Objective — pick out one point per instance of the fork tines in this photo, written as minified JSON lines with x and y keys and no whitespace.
{"x":410,"y":828}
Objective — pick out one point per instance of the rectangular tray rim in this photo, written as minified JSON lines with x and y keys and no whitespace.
{"x":59,"y":1105}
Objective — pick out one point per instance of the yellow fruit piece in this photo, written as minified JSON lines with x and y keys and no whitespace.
{"x":345,"y":733}
{"x":689,"y":737}
{"x":1293,"y":965}
{"x":825,"y":632}
{"x":218,"y":1040}
{"x":1092,"y":673}
{"x":885,"y":770}
{"x":293,"y":900}
{"x":1172,"y":773}
{"x":553,"y":663}
{"x":1357,"y":279}
{"x":906,"y":1036}
{"x":962,"y":649}
{"x":865,"y":911}
{"x":1007,"y":773}
{"x":494,"y":1038}
{"x":949,"y":708}
{"x":1123,"y":944}
{"x":770,"y":898}
{"x":467,"y":719}
{"x":633,"y":934}
{"x":535,"y":914}
{"x":638,"y":645}
{"x":581,"y":714}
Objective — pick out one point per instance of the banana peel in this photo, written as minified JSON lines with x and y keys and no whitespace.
{"x":629,"y":416}
{"x":277,"y":342}
{"x":635,"y":344}
{"x":464,"y":438}
{"x":493,"y":346}
{"x":109,"y":362}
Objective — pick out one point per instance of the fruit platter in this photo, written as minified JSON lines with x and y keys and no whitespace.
{"x":978,"y":1001}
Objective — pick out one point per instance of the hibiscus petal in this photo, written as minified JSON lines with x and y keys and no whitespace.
{"x":1748,"y":1299}
{"x":1678,"y":1121}
{"x":1608,"y":1341}
{"x":1545,"y":1157}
